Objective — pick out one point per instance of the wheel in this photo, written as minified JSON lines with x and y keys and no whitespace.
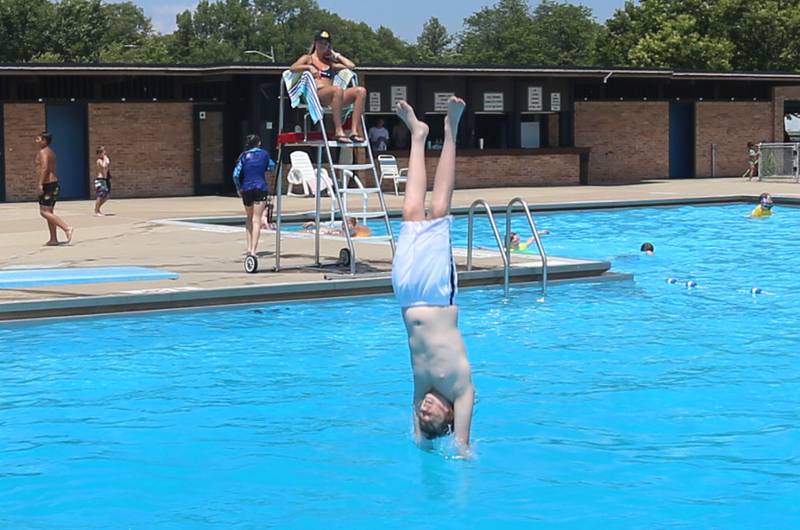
{"x":250,"y":264}
{"x":344,"y":257}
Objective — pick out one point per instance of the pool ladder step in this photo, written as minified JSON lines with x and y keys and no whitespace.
{"x":503,"y":246}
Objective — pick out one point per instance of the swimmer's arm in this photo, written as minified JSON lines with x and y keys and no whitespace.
{"x":303,"y":64}
{"x":532,"y":239}
{"x":41,"y":169}
{"x":342,"y":60}
{"x":237,"y":174}
{"x":462,"y":416}
{"x":419,"y":395}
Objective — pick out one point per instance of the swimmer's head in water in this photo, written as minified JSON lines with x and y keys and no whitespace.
{"x":647,"y":247}
{"x":513,"y":238}
{"x":765,"y":200}
{"x":434,"y":416}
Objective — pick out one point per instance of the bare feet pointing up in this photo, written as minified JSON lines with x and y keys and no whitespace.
{"x":405,"y":112}
{"x":455,"y":107}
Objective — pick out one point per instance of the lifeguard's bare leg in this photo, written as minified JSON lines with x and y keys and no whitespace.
{"x":445,"y":178}
{"x":417,"y":184}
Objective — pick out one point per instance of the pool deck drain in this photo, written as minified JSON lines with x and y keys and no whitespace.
{"x":208,"y":258}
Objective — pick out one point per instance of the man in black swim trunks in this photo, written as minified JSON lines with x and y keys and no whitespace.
{"x":47,"y":189}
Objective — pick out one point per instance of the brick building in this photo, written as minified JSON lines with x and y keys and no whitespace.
{"x":176,"y":130}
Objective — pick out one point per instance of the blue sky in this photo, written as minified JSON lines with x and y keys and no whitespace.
{"x":404,"y":17}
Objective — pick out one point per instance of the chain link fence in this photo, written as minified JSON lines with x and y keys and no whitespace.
{"x":779,"y":161}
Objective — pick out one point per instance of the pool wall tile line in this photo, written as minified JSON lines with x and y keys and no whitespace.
{"x":334,"y":287}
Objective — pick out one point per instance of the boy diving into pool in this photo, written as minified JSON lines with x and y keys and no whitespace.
{"x":425,"y":283}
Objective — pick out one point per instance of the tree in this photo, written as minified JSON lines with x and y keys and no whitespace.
{"x":125,"y":24}
{"x":503,"y":34}
{"x":75,"y":30}
{"x":698,"y":34}
{"x":434,"y":44}
{"x":22,"y":26}
{"x":151,"y":49}
{"x":565,"y":33}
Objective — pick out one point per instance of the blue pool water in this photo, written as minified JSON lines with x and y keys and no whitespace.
{"x":623,"y":405}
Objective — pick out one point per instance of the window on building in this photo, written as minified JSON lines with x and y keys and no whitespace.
{"x":492,"y":129}
{"x":533,"y":131}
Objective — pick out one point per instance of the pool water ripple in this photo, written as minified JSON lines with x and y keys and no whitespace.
{"x":622,"y":405}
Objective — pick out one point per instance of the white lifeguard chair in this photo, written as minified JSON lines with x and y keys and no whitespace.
{"x":300,"y":88}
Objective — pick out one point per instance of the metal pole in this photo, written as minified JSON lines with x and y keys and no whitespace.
{"x":278,"y":206}
{"x":318,"y":204}
{"x":713,"y":160}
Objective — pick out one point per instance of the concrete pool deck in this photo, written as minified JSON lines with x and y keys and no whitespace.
{"x":209,"y":258}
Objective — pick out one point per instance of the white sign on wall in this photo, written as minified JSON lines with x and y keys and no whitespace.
{"x":555,"y":101}
{"x":374,"y":101}
{"x":398,"y":93}
{"x":440,"y":100}
{"x":493,"y":102}
{"x":535,"y":98}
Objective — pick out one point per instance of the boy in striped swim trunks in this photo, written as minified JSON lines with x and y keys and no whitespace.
{"x":425,"y":282}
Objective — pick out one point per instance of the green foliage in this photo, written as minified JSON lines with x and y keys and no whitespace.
{"x":75,"y":30}
{"x":151,"y":49}
{"x":698,"y":34}
{"x":222,"y":31}
{"x":684,"y":34}
{"x":503,"y":34}
{"x":565,"y":33}
{"x":434,"y":44}
{"x":510,"y":33}
{"x":22,"y":26}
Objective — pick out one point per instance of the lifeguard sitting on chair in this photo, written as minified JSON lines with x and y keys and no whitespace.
{"x":323,"y":63}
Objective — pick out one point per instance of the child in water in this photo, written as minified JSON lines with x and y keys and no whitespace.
{"x":516,"y":245}
{"x":764,"y":208}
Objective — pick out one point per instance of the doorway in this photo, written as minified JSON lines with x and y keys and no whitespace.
{"x":2,"y":157}
{"x":209,"y":150}
{"x":681,"y":140}
{"x":68,"y":125}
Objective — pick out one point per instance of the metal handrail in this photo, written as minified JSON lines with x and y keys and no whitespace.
{"x":472,"y":208}
{"x":507,"y":250}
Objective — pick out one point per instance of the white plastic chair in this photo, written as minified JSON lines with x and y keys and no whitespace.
{"x":304,"y":174}
{"x":389,"y":170}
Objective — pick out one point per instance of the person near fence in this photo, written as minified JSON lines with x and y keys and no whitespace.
{"x":753,"y":155}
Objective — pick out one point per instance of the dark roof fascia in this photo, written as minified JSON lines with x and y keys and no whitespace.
{"x":430,"y":70}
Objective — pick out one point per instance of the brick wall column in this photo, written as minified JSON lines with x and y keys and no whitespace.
{"x":629,"y":140}
{"x":22,"y":123}
{"x":151,"y":147}
{"x":729,"y":126}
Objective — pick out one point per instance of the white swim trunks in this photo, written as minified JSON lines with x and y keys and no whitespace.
{"x":423,"y":271}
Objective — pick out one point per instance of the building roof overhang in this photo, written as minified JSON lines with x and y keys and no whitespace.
{"x":34,"y":69}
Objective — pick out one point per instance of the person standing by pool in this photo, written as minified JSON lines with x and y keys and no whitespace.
{"x":324,"y":63}
{"x":102,"y":182}
{"x":425,"y":282}
{"x":752,"y":160}
{"x":47,"y":189}
{"x":250,"y":179}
